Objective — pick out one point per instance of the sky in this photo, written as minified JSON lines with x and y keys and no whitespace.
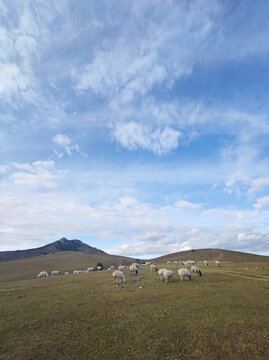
{"x":138,"y":127}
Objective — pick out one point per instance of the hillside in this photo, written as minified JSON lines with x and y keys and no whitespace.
{"x":56,"y":246}
{"x":72,"y":260}
{"x":211,"y":255}
{"x":62,"y":261}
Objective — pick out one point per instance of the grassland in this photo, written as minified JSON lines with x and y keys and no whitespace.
{"x":222,"y":315}
{"x":63,"y":261}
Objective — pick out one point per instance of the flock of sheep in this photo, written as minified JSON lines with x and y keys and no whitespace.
{"x":119,"y":278}
{"x":165,"y":274}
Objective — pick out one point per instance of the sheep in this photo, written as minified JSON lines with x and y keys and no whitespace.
{"x":112,"y":267}
{"x":160,"y":273}
{"x":168,"y":262}
{"x":217,"y":263}
{"x":175,"y":262}
{"x":76,"y":272}
{"x":118,"y":277}
{"x":147,"y":263}
{"x":167,"y":275}
{"x":206,"y":263}
{"x":42,"y":275}
{"x":184,"y":273}
{"x":54,"y":273}
{"x":134,"y":270}
{"x":153,"y":267}
{"x":90,"y":269}
{"x":187,"y":263}
{"x":136,"y":264}
{"x":196,"y":270}
{"x":66,"y":273}
{"x":99,"y":268}
{"x":122,"y":268}
{"x":192,"y":262}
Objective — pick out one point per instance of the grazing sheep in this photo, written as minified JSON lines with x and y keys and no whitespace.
{"x":192,"y":262}
{"x":217,"y":263}
{"x":175,"y":262}
{"x":122,"y":268}
{"x":153,"y":267}
{"x":206,"y":263}
{"x":76,"y":272}
{"x":168,"y":262}
{"x":147,"y":263}
{"x":134,"y":270}
{"x":184,"y":273}
{"x":112,"y":267}
{"x":66,"y":273}
{"x":99,"y":268}
{"x":167,"y":275}
{"x":160,"y":273}
{"x":42,"y":275}
{"x":187,"y":263}
{"x":196,"y":270}
{"x":90,"y":269}
{"x":118,"y":277}
{"x":136,"y":264}
{"x":54,"y":273}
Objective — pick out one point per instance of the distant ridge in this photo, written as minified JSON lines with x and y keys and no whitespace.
{"x":60,"y":245}
{"x":211,"y":254}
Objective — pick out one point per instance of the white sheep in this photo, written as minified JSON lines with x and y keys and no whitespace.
{"x":136,"y":264}
{"x":118,"y":277}
{"x":167,"y":275}
{"x":134,"y":270}
{"x":175,"y":262}
{"x":99,"y":268}
{"x":153,"y":267}
{"x":160,"y":273}
{"x":147,"y":263}
{"x":55,"y":272}
{"x":192,"y":262}
{"x":112,"y":267}
{"x":217,"y":263}
{"x":187,"y":263}
{"x":42,"y":275}
{"x":184,"y":273}
{"x":76,"y":272}
{"x":66,"y":273}
{"x":196,"y":270}
{"x":122,"y":268}
{"x":90,"y":269}
{"x":206,"y":263}
{"x":168,"y":262}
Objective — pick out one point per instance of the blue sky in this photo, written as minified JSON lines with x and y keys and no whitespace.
{"x":139,"y":127}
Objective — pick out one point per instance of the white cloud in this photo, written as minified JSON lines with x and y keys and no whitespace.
{"x":62,"y":140}
{"x":39,"y":174}
{"x":65,"y":142}
{"x":133,"y":135}
{"x":262,"y":202}
{"x":258,"y":184}
{"x":187,"y":205}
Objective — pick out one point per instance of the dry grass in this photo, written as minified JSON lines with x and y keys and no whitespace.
{"x":222,"y":315}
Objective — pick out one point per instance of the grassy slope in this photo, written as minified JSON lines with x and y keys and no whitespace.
{"x":212,"y":254}
{"x":62,"y":261}
{"x":222,"y":315}
{"x":68,"y":261}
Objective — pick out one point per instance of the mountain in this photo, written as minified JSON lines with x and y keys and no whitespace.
{"x":211,"y":255}
{"x":56,"y":246}
{"x":23,"y":269}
